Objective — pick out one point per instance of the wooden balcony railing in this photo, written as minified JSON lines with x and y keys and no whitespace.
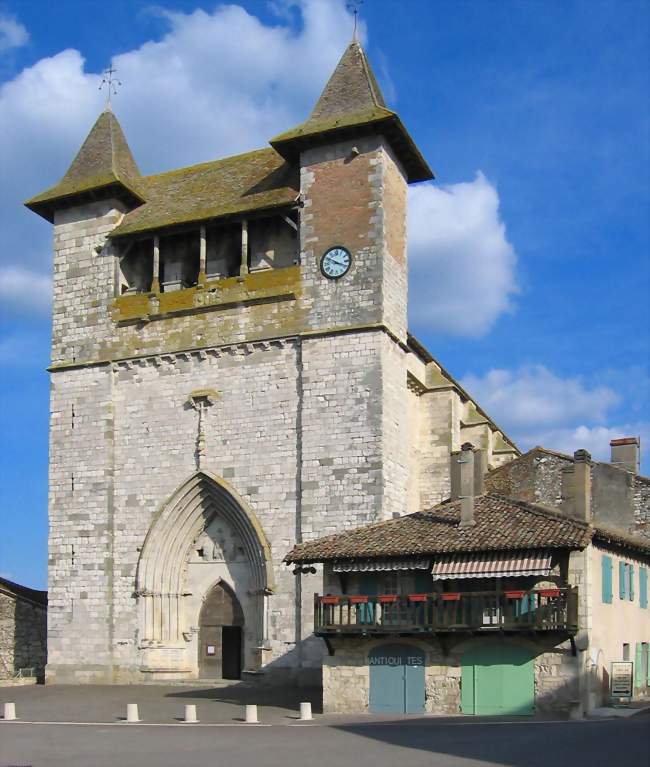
{"x":553,"y":609}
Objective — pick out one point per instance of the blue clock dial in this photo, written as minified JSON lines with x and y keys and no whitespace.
{"x":335,"y":263}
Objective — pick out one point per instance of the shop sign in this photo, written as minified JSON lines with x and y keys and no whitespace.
{"x":621,"y":679}
{"x":396,"y":660}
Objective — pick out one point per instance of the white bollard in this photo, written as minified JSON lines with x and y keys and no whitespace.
{"x":132,"y":712}
{"x":190,"y":714}
{"x":251,"y":714}
{"x":10,"y":712}
{"x":305,"y":712}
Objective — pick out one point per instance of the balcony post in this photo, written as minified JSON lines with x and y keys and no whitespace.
{"x":155,"y":281}
{"x":202,"y":255}
{"x":243,"y":269}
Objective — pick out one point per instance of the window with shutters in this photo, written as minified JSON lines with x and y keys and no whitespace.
{"x":643,"y":587}
{"x":606,"y":578}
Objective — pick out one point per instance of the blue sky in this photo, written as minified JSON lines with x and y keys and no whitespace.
{"x":529,"y":255}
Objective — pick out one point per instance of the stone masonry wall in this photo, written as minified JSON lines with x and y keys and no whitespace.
{"x":439,"y":436}
{"x":346,"y":675}
{"x":23,"y":636}
{"x":349,"y":200}
{"x":642,"y":506}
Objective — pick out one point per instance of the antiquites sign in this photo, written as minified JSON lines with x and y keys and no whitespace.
{"x":396,"y":660}
{"x":621,"y":679}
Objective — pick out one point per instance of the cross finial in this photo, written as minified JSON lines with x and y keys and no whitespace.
{"x":354,"y":6}
{"x":111,"y":82}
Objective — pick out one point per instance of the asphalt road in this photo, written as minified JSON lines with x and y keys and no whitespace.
{"x":403,"y":743}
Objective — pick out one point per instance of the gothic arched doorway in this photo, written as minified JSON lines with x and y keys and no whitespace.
{"x":220,"y":635}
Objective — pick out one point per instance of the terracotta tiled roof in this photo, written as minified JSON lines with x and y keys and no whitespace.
{"x":104,"y":160}
{"x":252,"y":181}
{"x":501,"y":524}
{"x":606,"y":536}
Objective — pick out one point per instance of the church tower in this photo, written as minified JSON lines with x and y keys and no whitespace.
{"x":231,"y":374}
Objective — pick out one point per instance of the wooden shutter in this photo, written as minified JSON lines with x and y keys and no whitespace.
{"x":630,"y":573}
{"x":638,"y":667}
{"x":622,"y":573}
{"x":606,"y":573}
{"x":643,"y":587}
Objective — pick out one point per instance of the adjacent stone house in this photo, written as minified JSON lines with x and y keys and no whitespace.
{"x":484,"y":604}
{"x":231,"y":374}
{"x":23,"y":630}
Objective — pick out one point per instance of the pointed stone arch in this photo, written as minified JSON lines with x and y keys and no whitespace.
{"x":175,"y":527}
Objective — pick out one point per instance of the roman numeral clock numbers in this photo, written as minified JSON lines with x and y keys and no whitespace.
{"x":335,"y":263}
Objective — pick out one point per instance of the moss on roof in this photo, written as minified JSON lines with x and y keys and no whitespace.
{"x":253,"y":181}
{"x":104,"y":160}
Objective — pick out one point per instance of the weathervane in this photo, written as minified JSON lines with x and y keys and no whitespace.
{"x":354,"y":6}
{"x":110,"y":82}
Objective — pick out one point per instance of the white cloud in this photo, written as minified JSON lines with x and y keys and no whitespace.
{"x":22,"y":290}
{"x":537,"y":407}
{"x":595,"y":439}
{"x":215,"y":84}
{"x":534,"y":396}
{"x":462,"y":267}
{"x":12,"y":33}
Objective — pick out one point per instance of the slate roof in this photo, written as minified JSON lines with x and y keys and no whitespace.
{"x":502,"y":524}
{"x":23,"y":592}
{"x":252,"y":181}
{"x":351,"y":101}
{"x":104,"y":160}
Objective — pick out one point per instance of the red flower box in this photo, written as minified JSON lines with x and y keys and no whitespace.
{"x":451,"y":597}
{"x":515,"y":593}
{"x":358,"y":600}
{"x":329,"y":600}
{"x":417,"y":597}
{"x":549,"y":592}
{"x":388,"y":598}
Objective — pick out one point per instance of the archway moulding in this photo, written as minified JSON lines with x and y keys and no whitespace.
{"x":160,"y":579}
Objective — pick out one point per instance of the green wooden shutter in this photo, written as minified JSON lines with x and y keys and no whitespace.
{"x":638,"y":666}
{"x":631,"y":582}
{"x":643,"y":587}
{"x":621,"y":580}
{"x":606,"y":571}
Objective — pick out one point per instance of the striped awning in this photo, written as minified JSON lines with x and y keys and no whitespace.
{"x":493,"y":564}
{"x":379,"y":565}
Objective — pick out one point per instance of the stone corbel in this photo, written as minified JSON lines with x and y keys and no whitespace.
{"x":201,"y":400}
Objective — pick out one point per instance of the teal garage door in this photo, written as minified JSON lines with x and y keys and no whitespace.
{"x":396,"y":680}
{"x":498,"y":678}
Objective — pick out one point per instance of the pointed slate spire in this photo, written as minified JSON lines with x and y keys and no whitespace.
{"x":350,"y":104}
{"x":104,"y":162}
{"x":351,"y":87}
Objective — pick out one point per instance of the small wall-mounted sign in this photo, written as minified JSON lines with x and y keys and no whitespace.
{"x":210,"y":649}
{"x":621,"y":679}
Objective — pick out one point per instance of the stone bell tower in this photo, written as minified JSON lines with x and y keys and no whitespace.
{"x":229,"y":376}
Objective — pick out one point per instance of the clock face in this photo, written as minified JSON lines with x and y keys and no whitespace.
{"x":335,"y":263}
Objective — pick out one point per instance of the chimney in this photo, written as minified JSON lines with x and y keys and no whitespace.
{"x":467,"y":472}
{"x":576,"y":487}
{"x":626,"y":453}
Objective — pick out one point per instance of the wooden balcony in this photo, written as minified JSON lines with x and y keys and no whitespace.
{"x":553,"y":609}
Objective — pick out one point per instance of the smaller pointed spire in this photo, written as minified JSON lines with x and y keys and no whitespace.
{"x":351,"y":88}
{"x":352,"y":103}
{"x":104,"y":160}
